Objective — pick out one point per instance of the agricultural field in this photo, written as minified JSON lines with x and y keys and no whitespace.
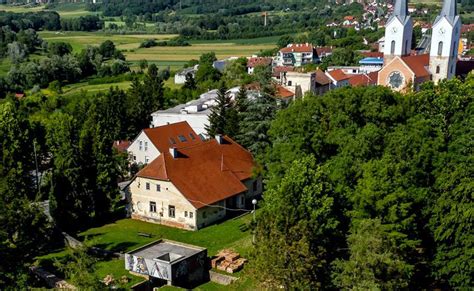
{"x":66,"y":10}
{"x":80,"y":40}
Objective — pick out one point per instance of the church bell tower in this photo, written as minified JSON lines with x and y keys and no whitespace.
{"x":398,"y":32}
{"x":445,"y":38}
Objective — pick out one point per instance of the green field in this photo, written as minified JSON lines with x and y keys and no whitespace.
{"x":80,"y":40}
{"x":66,"y":10}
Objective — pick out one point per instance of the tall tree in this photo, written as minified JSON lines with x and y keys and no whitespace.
{"x":223,"y":118}
{"x":297,"y":230}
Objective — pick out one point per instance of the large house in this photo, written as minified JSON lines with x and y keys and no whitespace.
{"x":151,"y":142}
{"x":195,"y":186}
{"x":296,"y":55}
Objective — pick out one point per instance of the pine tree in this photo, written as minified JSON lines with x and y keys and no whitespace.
{"x":223,"y":118}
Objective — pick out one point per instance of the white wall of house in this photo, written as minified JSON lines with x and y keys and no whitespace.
{"x":144,"y":192}
{"x":142,"y":150}
{"x":197,"y":122}
{"x":307,"y":81}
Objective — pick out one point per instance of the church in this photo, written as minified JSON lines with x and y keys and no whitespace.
{"x":402,"y":69}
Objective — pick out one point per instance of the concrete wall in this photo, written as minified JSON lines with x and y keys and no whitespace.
{"x":148,"y":150}
{"x":169,"y":195}
{"x":307,"y":81}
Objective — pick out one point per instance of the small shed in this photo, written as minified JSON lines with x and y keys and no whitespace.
{"x":177,"y":263}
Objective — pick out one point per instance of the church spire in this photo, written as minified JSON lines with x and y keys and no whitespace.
{"x":401,"y":9}
{"x":449,"y":10}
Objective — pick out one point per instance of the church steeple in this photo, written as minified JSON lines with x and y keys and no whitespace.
{"x":400,"y":10}
{"x":398,"y":32}
{"x":445,"y":37}
{"x":449,"y":11}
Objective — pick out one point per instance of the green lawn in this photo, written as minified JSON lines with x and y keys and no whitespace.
{"x":5,"y":65}
{"x":65,"y":10}
{"x":122,"y":235}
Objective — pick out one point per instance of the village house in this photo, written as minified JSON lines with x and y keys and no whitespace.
{"x":338,"y":78}
{"x":195,"y":186}
{"x":151,"y":142}
{"x":180,"y":77}
{"x":258,"y":61}
{"x":296,"y":55}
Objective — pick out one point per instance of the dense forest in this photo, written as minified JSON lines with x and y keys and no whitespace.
{"x":369,"y":189}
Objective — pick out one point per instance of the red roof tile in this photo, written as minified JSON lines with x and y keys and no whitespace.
{"x":253,"y":62}
{"x":418,"y":64}
{"x":121,"y":145}
{"x":338,"y":75}
{"x":364,"y":79}
{"x":166,"y":136}
{"x":283,"y":93}
{"x":205,"y":173}
{"x":372,"y":54}
{"x":323,"y":50}
{"x":298,"y":48}
{"x":321,"y":78}
{"x":281,"y":69}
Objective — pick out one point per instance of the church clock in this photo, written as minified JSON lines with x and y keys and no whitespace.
{"x":395,"y":79}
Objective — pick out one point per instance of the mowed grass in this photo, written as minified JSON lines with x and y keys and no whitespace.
{"x":80,"y":40}
{"x":78,"y":88}
{"x":222,"y":50}
{"x":66,"y":10}
{"x":122,"y":235}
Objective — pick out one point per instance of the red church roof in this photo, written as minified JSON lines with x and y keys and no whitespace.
{"x":418,"y":64}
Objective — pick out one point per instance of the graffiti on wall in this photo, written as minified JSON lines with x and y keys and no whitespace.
{"x":148,"y":267}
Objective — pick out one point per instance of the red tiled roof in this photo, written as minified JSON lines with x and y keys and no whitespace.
{"x":280,"y":69}
{"x":418,"y":64}
{"x":467,"y":28}
{"x":372,"y":54}
{"x":298,"y":48}
{"x":121,"y":145}
{"x":349,"y":17}
{"x":321,"y":78}
{"x":338,"y":75}
{"x":323,"y":50}
{"x":205,"y":173}
{"x":364,"y":79}
{"x":283,"y":93}
{"x":253,"y":62}
{"x":166,"y":136}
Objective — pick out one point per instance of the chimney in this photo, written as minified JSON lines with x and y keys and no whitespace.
{"x":174,"y":152}
{"x":219,"y":139}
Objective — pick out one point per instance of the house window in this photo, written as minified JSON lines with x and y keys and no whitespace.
{"x":147,"y":186}
{"x":181,"y":138}
{"x":392,"y":48}
{"x":204,"y":214}
{"x":242,"y":200}
{"x":134,"y":157}
{"x":440,"y":48}
{"x":158,"y":188}
{"x":147,"y":159}
{"x":172,"y":211}
{"x":254,"y":186}
{"x":289,"y":83}
{"x":191,"y":214}
{"x":437,"y":69}
{"x":146,"y":146}
{"x":185,"y":214}
{"x":192,"y":136}
{"x":140,"y":147}
{"x":152,"y":206}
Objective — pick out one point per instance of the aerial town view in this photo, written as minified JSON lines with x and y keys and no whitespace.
{"x":237,"y":145}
